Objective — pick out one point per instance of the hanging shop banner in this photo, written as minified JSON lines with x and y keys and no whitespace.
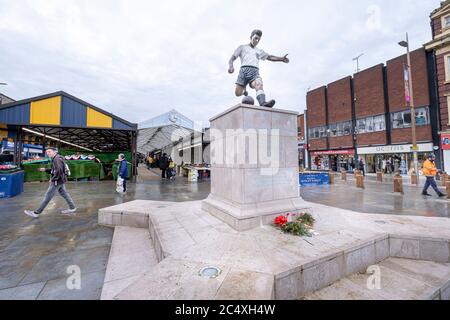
{"x":407,"y":89}
{"x":445,"y":141}
{"x":333,"y":152}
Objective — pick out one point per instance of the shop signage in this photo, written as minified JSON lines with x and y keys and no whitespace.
{"x":314,"y":179}
{"x":333,"y":152}
{"x":445,"y":141}
{"x":402,"y":148}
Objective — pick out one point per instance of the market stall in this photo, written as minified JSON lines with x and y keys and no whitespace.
{"x":92,"y":137}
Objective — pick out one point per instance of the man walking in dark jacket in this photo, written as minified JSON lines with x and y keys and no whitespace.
{"x":57,"y":183}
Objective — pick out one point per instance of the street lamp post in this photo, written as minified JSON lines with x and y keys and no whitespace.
{"x":410,"y":101}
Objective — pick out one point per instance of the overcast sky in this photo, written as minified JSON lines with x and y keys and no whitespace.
{"x":138,"y":59}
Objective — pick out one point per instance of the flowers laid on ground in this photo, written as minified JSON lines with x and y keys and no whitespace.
{"x":296,"y":224}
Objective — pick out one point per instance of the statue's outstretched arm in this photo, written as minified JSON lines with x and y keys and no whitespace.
{"x":284,"y":59}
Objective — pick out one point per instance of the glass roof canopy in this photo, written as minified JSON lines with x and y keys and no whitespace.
{"x":164,"y":130}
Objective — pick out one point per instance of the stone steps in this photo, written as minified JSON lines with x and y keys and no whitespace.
{"x":400,"y":279}
{"x":132,"y":255}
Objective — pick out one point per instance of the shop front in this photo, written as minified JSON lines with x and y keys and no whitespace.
{"x":445,"y":145}
{"x":334,"y":160}
{"x":393,"y":158}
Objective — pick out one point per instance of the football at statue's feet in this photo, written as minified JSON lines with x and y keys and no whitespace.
{"x":248,"y":100}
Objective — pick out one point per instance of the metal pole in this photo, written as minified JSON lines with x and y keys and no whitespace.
{"x":413,"y":113}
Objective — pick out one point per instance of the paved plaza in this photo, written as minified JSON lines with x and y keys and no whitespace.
{"x":35,"y":254}
{"x":378,"y":198}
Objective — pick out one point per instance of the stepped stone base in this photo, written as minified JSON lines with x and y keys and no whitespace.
{"x":261,"y":263}
{"x":246,"y":217}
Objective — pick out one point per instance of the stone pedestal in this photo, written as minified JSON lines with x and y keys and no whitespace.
{"x":254,"y":166}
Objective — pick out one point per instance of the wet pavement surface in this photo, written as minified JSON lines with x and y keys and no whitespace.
{"x":35,"y":254}
{"x":378,"y":198}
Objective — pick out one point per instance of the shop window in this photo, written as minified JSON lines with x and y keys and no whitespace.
{"x":347,"y":128}
{"x":448,"y":108}
{"x":340,"y":129}
{"x":371,"y":124}
{"x":446,"y":22}
{"x":317,"y":133}
{"x":361,"y":125}
{"x":333,"y":130}
{"x":322,"y":132}
{"x":379,"y":123}
{"x":447,"y":67}
{"x":402,"y":119}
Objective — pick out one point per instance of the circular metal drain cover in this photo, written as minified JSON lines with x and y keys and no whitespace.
{"x":210,"y":272}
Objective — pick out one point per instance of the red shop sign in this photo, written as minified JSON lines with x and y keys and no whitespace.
{"x":334,"y":152}
{"x":445,"y":141}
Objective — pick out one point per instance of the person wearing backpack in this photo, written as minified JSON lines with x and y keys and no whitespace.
{"x":59,"y":173}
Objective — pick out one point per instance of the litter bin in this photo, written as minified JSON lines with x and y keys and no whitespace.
{"x":11,"y":184}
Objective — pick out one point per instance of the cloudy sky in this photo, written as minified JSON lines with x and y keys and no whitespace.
{"x":138,"y":59}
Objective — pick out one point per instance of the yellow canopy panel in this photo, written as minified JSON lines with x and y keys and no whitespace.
{"x":3,"y":134}
{"x":97,"y":119}
{"x":47,"y":111}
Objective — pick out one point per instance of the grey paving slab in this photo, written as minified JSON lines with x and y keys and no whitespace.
{"x":91,"y":286}
{"x":27,"y":292}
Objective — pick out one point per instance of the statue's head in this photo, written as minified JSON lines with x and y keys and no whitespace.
{"x":255,"y":37}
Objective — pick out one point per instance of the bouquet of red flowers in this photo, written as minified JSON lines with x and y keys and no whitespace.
{"x":300,"y":225}
{"x":281,"y":221}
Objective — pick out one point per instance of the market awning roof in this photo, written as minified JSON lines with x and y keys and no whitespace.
{"x":62,"y":116}
{"x":163,"y":130}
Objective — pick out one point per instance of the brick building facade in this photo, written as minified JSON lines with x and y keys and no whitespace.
{"x":440,"y":48}
{"x":366,"y":116}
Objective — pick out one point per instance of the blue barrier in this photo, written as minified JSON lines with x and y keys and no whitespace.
{"x":11,"y":184}
{"x":314,"y":179}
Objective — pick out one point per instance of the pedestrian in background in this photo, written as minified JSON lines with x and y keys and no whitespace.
{"x":164,"y":165}
{"x":430,"y":171}
{"x":58,"y":178}
{"x":123,"y":173}
{"x":362,"y":166}
{"x":172,"y":169}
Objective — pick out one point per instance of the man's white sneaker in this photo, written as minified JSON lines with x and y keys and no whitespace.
{"x":69,"y":211}
{"x":31,"y":214}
